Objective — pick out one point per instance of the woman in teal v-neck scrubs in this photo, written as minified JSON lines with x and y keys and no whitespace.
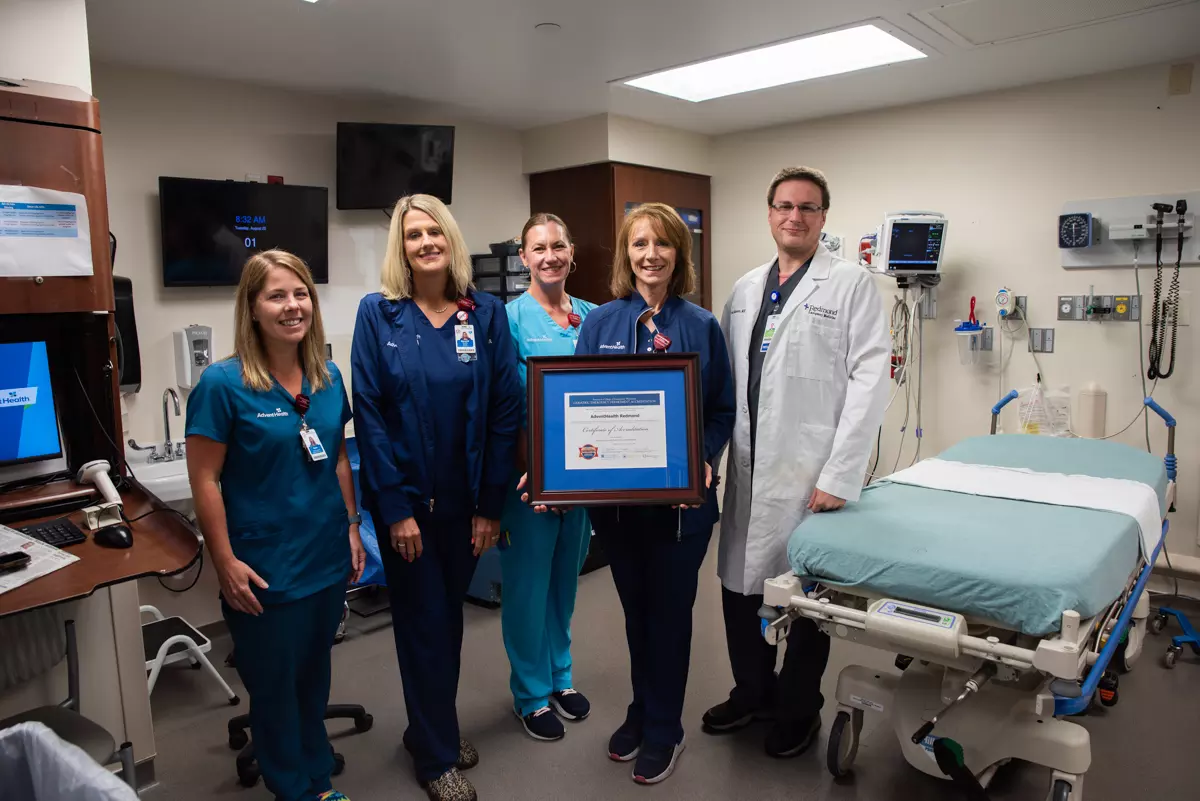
{"x":275,"y":499}
{"x":542,"y":554}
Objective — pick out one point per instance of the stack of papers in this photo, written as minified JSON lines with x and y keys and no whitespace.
{"x":45,"y":559}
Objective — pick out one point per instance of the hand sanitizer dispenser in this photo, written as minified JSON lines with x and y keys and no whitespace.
{"x":193,"y":353}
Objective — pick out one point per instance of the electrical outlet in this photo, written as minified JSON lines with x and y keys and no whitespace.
{"x":985,"y":339}
{"x":1185,"y":307}
{"x":927,"y":309}
{"x":1020,"y":306}
{"x":1041,"y":340}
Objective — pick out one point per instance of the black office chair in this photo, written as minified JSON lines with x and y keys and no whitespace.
{"x":247,"y":766}
{"x":66,"y":721}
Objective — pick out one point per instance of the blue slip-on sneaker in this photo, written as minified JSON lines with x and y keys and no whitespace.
{"x":656,"y":762}
{"x":571,"y":704}
{"x":542,"y":724}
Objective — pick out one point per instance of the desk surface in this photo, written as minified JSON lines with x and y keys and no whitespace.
{"x":162,"y":544}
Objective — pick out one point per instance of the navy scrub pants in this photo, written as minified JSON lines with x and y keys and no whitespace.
{"x":283,"y":658}
{"x":656,"y":576}
{"x":427,"y":598}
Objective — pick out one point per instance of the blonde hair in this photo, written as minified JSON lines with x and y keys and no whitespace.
{"x":396,"y":275}
{"x":668,"y":224}
{"x":247,"y":338}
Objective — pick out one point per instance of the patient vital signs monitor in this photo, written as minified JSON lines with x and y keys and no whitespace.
{"x":912,"y":243}
{"x":28,"y":420}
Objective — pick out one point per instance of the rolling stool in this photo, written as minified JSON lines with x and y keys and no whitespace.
{"x":239,"y":740}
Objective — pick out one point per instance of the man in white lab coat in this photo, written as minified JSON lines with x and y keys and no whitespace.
{"x":810,"y":347}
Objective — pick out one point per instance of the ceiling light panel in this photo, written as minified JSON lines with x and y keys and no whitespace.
{"x":833,"y":53}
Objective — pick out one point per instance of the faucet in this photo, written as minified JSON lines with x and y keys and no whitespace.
{"x":169,"y":393}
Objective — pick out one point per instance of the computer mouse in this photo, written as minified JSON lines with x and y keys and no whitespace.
{"x":118,"y":536}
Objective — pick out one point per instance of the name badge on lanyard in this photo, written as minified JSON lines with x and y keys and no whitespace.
{"x":314,"y":451}
{"x":769,"y":332}
{"x":464,"y":342}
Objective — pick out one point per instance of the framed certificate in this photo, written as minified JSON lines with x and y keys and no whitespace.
{"x":615,"y":430}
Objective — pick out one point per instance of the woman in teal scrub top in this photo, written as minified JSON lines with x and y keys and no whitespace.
{"x":542,"y":554}
{"x":275,"y":499}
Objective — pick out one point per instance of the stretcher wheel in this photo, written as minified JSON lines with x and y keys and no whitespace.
{"x":238,"y":740}
{"x":1061,"y":791}
{"x":339,"y":764}
{"x":1158,"y":624}
{"x":1169,"y":658}
{"x":843,"y":743}
{"x":364,"y":723}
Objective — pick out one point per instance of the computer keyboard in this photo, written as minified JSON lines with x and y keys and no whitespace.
{"x":60,"y":533}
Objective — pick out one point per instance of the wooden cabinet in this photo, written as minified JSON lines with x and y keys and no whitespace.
{"x":593,"y":199}
{"x":50,"y":138}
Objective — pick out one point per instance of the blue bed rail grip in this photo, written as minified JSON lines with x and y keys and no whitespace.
{"x":1169,"y":461}
{"x":1073,"y":706}
{"x":1010,"y":397}
{"x":1152,"y":404}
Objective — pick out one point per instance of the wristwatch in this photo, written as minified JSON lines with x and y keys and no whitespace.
{"x":355,"y":518}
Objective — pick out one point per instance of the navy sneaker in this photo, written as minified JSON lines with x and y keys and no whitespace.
{"x":789,"y":739}
{"x":570,"y":704}
{"x":655,"y":763}
{"x":625,"y":742}
{"x":542,"y":724}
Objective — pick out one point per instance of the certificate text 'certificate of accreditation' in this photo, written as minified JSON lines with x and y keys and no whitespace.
{"x":608,"y":430}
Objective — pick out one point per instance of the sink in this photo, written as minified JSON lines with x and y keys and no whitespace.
{"x":168,"y":481}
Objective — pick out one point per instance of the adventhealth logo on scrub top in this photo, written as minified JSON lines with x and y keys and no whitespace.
{"x":277,"y":413}
{"x":618,"y":346}
{"x":25,"y":396}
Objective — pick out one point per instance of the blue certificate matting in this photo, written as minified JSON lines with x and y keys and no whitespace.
{"x":595,"y":385}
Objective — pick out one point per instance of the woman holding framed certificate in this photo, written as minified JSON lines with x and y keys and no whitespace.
{"x":655,"y":551}
{"x":436,"y":412}
{"x":541,"y":554}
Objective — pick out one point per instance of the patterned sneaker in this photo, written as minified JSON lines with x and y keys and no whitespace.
{"x":450,"y":786}
{"x":655,"y":763}
{"x":332,"y":795}
{"x":542,"y":724}
{"x":468,"y":757}
{"x":570,"y":704}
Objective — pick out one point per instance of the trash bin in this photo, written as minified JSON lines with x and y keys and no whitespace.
{"x":37,"y":765}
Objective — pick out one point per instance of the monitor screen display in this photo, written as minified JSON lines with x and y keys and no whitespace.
{"x":378,"y":164}
{"x":915,"y":247}
{"x":210,"y":228}
{"x":28,"y":420}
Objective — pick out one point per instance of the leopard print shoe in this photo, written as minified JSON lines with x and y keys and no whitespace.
{"x":468,"y":757}
{"x":451,"y":786}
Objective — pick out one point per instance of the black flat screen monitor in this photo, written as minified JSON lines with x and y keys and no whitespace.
{"x":377,"y":164}
{"x":210,"y":228}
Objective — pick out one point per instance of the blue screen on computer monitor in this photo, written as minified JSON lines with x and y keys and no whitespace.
{"x":28,"y":421}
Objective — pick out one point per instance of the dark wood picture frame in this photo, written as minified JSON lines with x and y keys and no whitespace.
{"x":687,"y":363}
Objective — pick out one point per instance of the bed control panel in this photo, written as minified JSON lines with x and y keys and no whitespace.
{"x":920,"y":627}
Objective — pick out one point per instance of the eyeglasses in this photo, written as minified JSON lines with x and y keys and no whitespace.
{"x":807,"y":209}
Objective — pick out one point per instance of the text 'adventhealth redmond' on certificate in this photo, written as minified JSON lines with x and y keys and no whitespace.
{"x":615,"y":430}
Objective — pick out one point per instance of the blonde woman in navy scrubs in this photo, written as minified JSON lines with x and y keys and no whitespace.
{"x":541,"y":554}
{"x":275,"y":499}
{"x":436,"y":414}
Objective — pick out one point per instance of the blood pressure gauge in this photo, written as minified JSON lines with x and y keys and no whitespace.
{"x":1075,"y":230}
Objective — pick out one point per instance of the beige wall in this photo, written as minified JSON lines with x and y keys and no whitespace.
{"x":164,"y":124}
{"x":45,"y":40}
{"x":610,"y":137}
{"x":638,"y":142}
{"x":1000,"y":165}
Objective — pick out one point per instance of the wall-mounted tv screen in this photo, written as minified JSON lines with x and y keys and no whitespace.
{"x":210,"y":228}
{"x":377,"y":164}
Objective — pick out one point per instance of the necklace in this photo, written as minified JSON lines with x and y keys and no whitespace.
{"x":438,"y":311}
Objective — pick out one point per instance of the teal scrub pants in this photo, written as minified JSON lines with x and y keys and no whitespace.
{"x":540,"y":564}
{"x":283,"y":658}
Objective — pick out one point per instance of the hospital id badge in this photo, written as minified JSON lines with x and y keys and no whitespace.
{"x":464,"y":342}
{"x":769,"y":332}
{"x":313,"y":449}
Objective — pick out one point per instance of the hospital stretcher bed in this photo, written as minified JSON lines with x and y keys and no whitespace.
{"x":1007,"y":616}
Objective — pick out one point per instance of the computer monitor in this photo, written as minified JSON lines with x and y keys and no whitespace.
{"x":912,"y":244}
{"x":29,"y":430}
